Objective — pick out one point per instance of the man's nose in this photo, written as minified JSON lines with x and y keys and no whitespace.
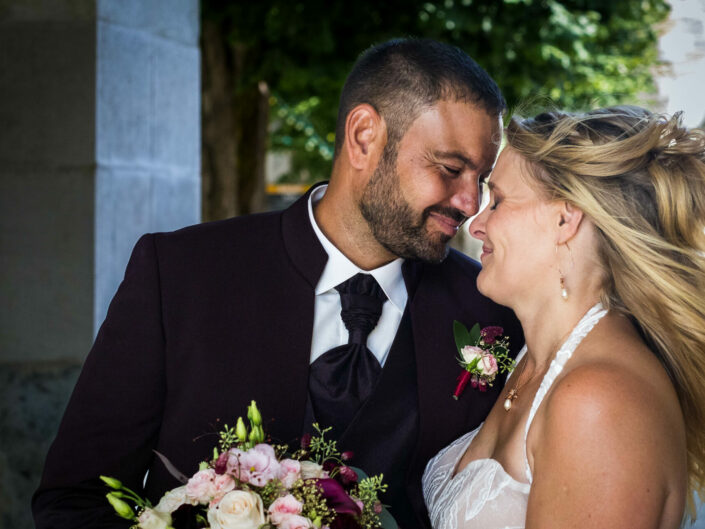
{"x":465,"y":198}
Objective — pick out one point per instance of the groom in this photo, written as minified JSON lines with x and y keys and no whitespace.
{"x":258,"y":307}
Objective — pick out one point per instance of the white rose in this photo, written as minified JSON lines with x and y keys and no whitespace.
{"x":154,"y":519}
{"x":310,"y":470}
{"x":239,"y":509}
{"x":172,"y":500}
{"x":470,"y":352}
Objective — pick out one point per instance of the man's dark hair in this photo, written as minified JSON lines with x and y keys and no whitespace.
{"x":401,"y":78}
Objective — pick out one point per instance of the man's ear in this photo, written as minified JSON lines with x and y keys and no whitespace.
{"x":365,"y":136}
{"x":568,"y":220}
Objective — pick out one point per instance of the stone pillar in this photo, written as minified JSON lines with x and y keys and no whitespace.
{"x":682,"y":47}
{"x":99,"y":143}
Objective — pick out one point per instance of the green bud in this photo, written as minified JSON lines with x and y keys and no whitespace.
{"x":241,"y":430}
{"x":253,"y":414}
{"x":317,"y":522}
{"x":111,"y":482}
{"x":203,"y":465}
{"x":260,"y":434}
{"x":122,"y":509}
{"x":253,"y":436}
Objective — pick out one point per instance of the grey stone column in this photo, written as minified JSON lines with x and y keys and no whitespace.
{"x":99,"y":143}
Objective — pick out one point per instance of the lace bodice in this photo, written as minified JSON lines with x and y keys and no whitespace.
{"x":482,"y":495}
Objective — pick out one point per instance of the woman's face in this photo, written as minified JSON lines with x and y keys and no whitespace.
{"x":518,"y":229}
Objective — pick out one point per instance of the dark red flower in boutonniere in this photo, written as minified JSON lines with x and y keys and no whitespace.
{"x":483,"y":354}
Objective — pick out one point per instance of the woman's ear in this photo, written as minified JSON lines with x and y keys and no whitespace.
{"x":365,"y":136}
{"x":568,"y":220}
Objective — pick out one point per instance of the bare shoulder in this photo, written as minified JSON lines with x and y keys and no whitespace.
{"x":616,"y":401}
{"x":610,"y":434}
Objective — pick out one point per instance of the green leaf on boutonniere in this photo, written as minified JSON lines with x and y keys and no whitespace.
{"x":474,"y":335}
{"x":461,"y":334}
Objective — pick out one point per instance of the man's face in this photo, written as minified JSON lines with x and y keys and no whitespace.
{"x":420,"y":195}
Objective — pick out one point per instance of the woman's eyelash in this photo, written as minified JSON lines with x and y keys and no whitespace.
{"x":495,"y":204}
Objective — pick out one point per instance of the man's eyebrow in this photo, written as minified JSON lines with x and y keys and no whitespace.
{"x":458,"y":156}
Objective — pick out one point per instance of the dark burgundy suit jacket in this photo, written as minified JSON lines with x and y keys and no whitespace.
{"x":214,"y":315}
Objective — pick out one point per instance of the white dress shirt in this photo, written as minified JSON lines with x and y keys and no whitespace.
{"x":328,"y":328}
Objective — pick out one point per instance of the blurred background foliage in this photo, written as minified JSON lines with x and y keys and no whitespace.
{"x":571,"y":54}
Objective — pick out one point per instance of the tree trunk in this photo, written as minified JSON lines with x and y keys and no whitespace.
{"x":235,"y":120}
{"x":219,"y":193}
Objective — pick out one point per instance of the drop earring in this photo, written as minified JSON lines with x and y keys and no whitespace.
{"x":564,"y":290}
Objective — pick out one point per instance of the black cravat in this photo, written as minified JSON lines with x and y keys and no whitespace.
{"x":341,"y":379}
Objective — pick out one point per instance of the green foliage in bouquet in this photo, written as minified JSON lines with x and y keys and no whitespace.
{"x":252,"y":482}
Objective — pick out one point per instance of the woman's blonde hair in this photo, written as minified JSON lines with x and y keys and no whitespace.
{"x":640,"y":178}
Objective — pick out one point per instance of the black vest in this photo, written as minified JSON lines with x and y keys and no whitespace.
{"x":384,"y":432}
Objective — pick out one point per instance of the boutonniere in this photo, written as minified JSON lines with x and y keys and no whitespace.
{"x":483,"y":354}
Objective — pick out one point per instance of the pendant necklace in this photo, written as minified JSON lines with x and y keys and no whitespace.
{"x":513,"y":393}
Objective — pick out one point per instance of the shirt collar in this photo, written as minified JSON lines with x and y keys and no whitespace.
{"x":339,"y":268}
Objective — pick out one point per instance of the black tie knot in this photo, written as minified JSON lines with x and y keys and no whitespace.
{"x":361,"y":300}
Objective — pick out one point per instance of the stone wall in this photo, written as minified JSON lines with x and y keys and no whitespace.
{"x":99,"y":143}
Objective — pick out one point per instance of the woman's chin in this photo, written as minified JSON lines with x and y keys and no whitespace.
{"x":488,"y":288}
{"x":483,"y":285}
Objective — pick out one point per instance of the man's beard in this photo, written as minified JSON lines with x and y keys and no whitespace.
{"x":393,"y":222}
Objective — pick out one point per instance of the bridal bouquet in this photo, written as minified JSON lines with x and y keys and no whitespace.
{"x":248,"y":484}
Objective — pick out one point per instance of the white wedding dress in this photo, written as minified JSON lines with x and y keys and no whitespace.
{"x":482,"y":495}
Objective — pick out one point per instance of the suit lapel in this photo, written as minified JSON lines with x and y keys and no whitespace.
{"x":441,"y":418}
{"x":295,"y":307}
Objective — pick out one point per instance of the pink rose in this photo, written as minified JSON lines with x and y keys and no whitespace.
{"x":284,"y":507}
{"x":294,"y":521}
{"x":222,"y":485}
{"x":488,"y":364}
{"x":289,"y":472}
{"x":201,"y":488}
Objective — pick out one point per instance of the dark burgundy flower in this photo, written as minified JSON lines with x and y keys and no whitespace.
{"x":305,"y":441}
{"x":348,"y":475}
{"x":378,"y":507}
{"x":221,"y":464}
{"x":347,"y":456}
{"x":328,"y":466}
{"x":336,"y":497}
{"x":489,"y":334}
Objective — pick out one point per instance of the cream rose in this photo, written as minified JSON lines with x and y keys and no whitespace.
{"x":239,"y":509}
{"x":470,"y":352}
{"x":172,"y":500}
{"x":154,"y":519}
{"x":310,"y":470}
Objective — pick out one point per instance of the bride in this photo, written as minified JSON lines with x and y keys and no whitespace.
{"x":594,"y":237}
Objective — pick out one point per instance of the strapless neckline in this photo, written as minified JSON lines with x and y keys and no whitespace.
{"x":486,"y":461}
